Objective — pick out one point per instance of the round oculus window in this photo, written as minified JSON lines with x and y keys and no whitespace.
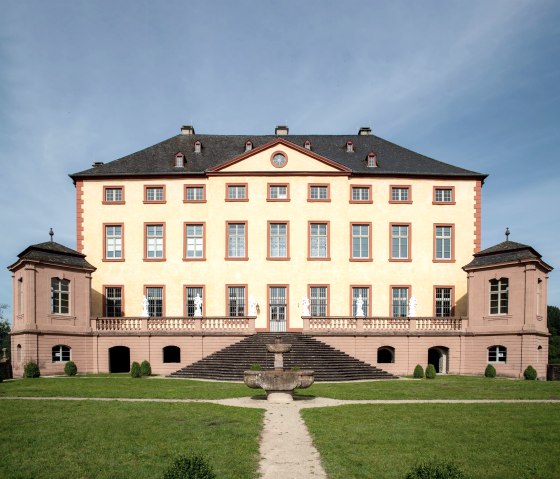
{"x":279,"y":160}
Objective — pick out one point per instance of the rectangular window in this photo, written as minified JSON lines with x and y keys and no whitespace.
{"x":237,"y":240}
{"x":194,"y":241}
{"x":443,"y":243}
{"x":113,"y":301}
{"x":499,"y":296}
{"x":113,"y":242}
{"x":113,"y":194}
{"x":497,"y":354}
{"x":278,"y":240}
{"x":361,"y":194}
{"x":443,"y":302}
{"x":236,"y":192}
{"x":318,"y":193}
{"x":318,"y":241}
{"x":277,"y":308}
{"x":360,"y":242}
{"x":154,"y":295}
{"x":191,"y":292}
{"x":195,"y":194}
{"x":60,"y":296}
{"x":278,"y":192}
{"x":400,"y":194}
{"x":444,"y":195}
{"x":154,"y":194}
{"x":155,"y":241}
{"x":399,"y":297}
{"x":400,"y":244}
{"x":20,"y":295}
{"x":318,"y":301}
{"x":363,"y":292}
{"x":236,"y":300}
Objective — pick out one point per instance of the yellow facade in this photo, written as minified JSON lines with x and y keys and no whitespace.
{"x":422,"y":274}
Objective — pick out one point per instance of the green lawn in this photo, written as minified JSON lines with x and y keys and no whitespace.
{"x":126,"y":387}
{"x":487,"y":441}
{"x":83,"y":439}
{"x":443,"y":387}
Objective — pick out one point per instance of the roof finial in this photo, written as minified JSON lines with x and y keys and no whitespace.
{"x":507,"y":233}
{"x":51,"y":233}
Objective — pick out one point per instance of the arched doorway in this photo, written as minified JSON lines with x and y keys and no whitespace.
{"x":385,"y":354}
{"x":119,"y":359}
{"x":439,"y":357}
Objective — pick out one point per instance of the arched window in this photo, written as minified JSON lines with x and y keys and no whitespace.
{"x":18,"y":353}
{"x":248,"y":145}
{"x":349,"y":147}
{"x":385,"y":354}
{"x":497,"y":354}
{"x":60,"y":353}
{"x":171,"y":354}
{"x":197,"y":146}
{"x":60,"y":296}
{"x":307,"y":145}
{"x":499,"y":292}
{"x":372,"y":160}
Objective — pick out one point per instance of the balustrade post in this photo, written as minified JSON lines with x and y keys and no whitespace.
{"x":143,"y":324}
{"x":360,"y":325}
{"x":412,"y":326}
{"x":305,"y":324}
{"x":198,"y":324}
{"x":252,"y":324}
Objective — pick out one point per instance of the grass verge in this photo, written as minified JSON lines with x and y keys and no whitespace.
{"x":58,"y":439}
{"x":490,"y":441}
{"x":443,"y":387}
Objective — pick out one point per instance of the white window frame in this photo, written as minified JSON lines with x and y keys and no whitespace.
{"x":194,"y":193}
{"x":318,"y":301}
{"x":361,"y":241}
{"x":154,"y":241}
{"x":113,"y":194}
{"x":358,"y":193}
{"x":443,"y":302}
{"x":236,"y":192}
{"x":61,"y":353}
{"x":319,"y":240}
{"x":319,"y":192}
{"x":400,"y":238}
{"x":60,"y":296}
{"x":278,"y":240}
{"x":399,"y":302}
{"x":276,"y":194}
{"x":499,"y":296}
{"x":444,"y":195}
{"x":444,"y":242}
{"x":400,"y":193}
{"x":497,"y":354}
{"x":154,"y":193}
{"x":237,"y":245}
{"x":194,"y":241}
{"x":113,"y":242}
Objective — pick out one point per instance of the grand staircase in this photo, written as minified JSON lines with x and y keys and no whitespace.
{"x":329,"y":363}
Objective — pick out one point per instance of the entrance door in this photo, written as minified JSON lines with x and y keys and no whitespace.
{"x":438,"y":357}
{"x":277,"y":309}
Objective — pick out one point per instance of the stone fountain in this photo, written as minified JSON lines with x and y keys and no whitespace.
{"x":278,"y":384}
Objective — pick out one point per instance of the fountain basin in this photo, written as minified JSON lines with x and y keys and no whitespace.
{"x":279,"y":385}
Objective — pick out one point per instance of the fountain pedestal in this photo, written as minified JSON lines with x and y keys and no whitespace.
{"x":278,"y":384}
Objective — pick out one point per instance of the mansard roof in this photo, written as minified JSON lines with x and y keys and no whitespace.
{"x":55,"y":254}
{"x":159,"y":160}
{"x":506,"y":252}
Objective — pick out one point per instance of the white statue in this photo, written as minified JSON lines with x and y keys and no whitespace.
{"x":197,"y":306}
{"x":252,"y":306}
{"x":412,"y":307}
{"x":359,"y":307}
{"x":145,"y":303}
{"x":305,"y":307}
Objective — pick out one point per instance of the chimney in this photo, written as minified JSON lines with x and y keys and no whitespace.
{"x":364,"y":131}
{"x":97,"y":164}
{"x":187,"y":130}
{"x":281,"y":130}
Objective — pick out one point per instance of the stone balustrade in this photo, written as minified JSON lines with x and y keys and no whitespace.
{"x":206,"y":324}
{"x":351,"y":324}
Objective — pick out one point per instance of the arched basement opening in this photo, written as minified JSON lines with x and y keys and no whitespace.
{"x":439,"y":357}
{"x":119,"y":359}
{"x":171,"y":354}
{"x":385,"y":355}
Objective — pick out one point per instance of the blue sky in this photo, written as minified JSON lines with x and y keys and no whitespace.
{"x":475,"y":84}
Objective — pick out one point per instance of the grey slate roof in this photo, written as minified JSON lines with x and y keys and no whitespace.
{"x":54,"y":253}
{"x":159,"y":159}
{"x":506,"y":252}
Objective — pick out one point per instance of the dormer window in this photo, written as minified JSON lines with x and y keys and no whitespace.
{"x":197,"y":146}
{"x":248,"y":145}
{"x":307,"y":145}
{"x":349,"y":147}
{"x":179,"y":160}
{"x":372,"y":160}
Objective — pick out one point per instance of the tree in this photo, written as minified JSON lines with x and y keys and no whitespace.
{"x":4,"y":330}
{"x":553,"y":313}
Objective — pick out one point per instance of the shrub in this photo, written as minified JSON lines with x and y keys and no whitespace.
{"x":190,"y":467}
{"x":70,"y":368}
{"x":135,"y":371}
{"x":1,"y":379}
{"x":436,"y":470}
{"x":295,"y":368}
{"x":31,"y":370}
{"x":530,"y":373}
{"x":256,"y":367}
{"x":430,"y":372}
{"x":418,"y":372}
{"x":490,"y":371}
{"x":145,"y":368}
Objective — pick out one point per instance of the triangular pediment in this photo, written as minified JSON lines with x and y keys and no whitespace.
{"x":267,"y":158}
